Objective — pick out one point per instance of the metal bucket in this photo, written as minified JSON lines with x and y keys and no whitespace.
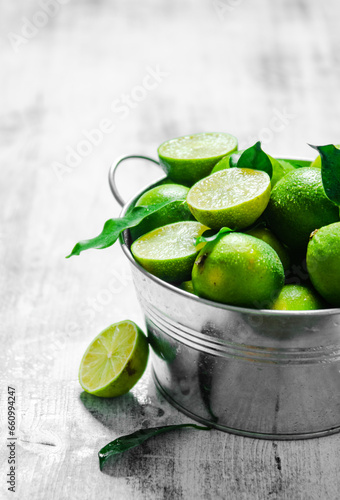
{"x":259,"y":373}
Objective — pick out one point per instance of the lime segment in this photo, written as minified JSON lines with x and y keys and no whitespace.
{"x":169,"y":252}
{"x":190,"y":158}
{"x":114,"y":361}
{"x":280,"y":167}
{"x":233,"y":198}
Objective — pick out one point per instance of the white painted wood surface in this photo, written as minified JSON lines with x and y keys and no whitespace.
{"x":256,"y":69}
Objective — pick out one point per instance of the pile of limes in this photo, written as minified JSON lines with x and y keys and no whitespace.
{"x":276,"y":226}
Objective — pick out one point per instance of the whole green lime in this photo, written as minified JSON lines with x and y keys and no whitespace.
{"x":240,"y":270}
{"x":323,"y":262}
{"x":176,"y":212}
{"x":298,"y":205}
{"x":189,"y":158}
{"x":264,"y":234}
{"x":298,"y":298}
{"x":187,"y":286}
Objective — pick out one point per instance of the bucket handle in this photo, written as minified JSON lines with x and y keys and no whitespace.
{"x":113,"y":170}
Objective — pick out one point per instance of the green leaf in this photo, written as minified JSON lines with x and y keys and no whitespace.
{"x":125,"y":443}
{"x":113,"y":227}
{"x":211,"y":235}
{"x":295,"y":163}
{"x":253,"y":157}
{"x":234,"y":158}
{"x":330,"y":171}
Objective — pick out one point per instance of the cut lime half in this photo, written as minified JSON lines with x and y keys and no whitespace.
{"x":169,"y":252}
{"x":189,"y":158}
{"x":232,"y":198}
{"x":280,"y":167}
{"x":114,"y":361}
{"x":175,"y":212}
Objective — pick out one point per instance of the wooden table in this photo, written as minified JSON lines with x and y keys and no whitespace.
{"x":267,"y":70}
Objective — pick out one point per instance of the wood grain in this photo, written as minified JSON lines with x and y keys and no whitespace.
{"x":256,"y":69}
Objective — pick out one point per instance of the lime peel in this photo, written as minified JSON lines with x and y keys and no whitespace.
{"x":189,"y":158}
{"x":114,"y":361}
{"x":169,"y":252}
{"x":233,"y":198}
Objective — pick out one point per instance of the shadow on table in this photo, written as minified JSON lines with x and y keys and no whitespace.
{"x":125,"y":415}
{"x":106,"y":410}
{"x":116,"y":413}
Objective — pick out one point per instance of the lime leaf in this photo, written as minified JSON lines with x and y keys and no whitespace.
{"x":253,"y":157}
{"x":295,"y":163}
{"x":211,"y":235}
{"x":330,"y":171}
{"x":125,"y":443}
{"x":114,"y":227}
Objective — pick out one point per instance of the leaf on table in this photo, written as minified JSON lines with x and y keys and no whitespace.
{"x":253,"y":157}
{"x":114,"y":227}
{"x":330,"y":171}
{"x":129,"y":441}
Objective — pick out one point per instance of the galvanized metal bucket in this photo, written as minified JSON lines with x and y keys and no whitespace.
{"x":259,"y":373}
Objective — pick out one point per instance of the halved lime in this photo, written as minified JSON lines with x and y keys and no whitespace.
{"x":169,"y":252}
{"x":189,"y":158}
{"x":280,"y":167}
{"x":114,"y":361}
{"x":176,"y":212}
{"x":232,"y":198}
